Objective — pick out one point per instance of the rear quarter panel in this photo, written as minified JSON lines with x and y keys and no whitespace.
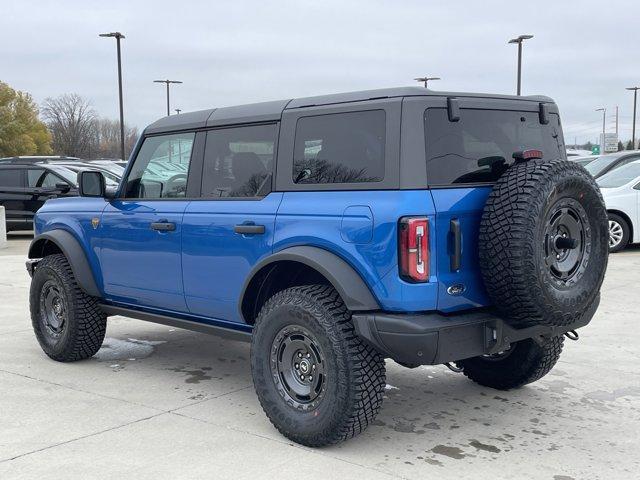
{"x":339,"y":222}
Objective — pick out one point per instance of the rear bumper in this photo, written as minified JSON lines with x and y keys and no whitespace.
{"x":433,"y":338}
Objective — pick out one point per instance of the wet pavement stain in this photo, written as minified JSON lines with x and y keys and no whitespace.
{"x":130,"y":349}
{"x":194,"y":376}
{"x":451,"y":452}
{"x":604,"y":396}
{"x":484,"y":446}
{"x":563,"y":477}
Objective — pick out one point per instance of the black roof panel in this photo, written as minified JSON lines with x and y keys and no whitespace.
{"x":270,"y":111}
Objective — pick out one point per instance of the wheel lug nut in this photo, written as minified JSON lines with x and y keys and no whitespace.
{"x":297,"y":366}
{"x":313,"y":367}
{"x":308,"y":356}
{"x":310,"y":378}
{"x":558,"y":256}
{"x":299,"y":355}
{"x":301,"y":377}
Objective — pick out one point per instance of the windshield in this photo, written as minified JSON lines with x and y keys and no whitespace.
{"x":600,"y":164}
{"x":620,"y":176}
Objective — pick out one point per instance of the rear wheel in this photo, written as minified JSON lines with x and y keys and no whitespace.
{"x":316,"y":381}
{"x":522,"y":363}
{"x":68,"y":323}
{"x":618,"y":233}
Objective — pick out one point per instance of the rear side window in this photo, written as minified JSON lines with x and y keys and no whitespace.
{"x":11,"y":178}
{"x":340,"y":148}
{"x":480,"y":146}
{"x":238,"y":161}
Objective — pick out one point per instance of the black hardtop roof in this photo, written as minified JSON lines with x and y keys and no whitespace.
{"x":270,"y":111}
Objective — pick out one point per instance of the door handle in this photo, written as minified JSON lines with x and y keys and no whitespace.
{"x":249,"y":229}
{"x":163,"y":226}
{"x":455,"y":245}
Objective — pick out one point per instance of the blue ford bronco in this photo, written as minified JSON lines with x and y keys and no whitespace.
{"x":334,"y":232}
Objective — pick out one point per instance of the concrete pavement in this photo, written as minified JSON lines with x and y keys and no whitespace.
{"x":160,"y":402}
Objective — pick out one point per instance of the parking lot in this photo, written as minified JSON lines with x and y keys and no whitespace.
{"x":160,"y":402}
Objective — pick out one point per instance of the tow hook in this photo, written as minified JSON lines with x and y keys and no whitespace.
{"x":572,"y":335}
{"x":453,"y":368}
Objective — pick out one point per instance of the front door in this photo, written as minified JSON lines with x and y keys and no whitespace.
{"x":231,"y":227}
{"x":141,"y":230}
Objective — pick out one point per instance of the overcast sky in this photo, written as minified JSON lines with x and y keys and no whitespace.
{"x":583,"y":55}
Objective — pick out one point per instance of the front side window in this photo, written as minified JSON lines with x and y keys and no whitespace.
{"x":10,"y":178}
{"x":480,"y":146}
{"x":238,"y":161}
{"x":40,"y":178}
{"x":340,"y":148}
{"x":161,"y":167}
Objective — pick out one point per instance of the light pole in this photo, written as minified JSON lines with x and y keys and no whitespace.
{"x":604,"y":119}
{"x":426,"y":80}
{"x":167,"y":82}
{"x":519,"y":41}
{"x":635,"y":102}
{"x":178,"y":111}
{"x":118,"y":36}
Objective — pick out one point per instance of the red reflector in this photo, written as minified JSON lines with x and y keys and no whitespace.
{"x":528,"y":154}
{"x":414,"y":248}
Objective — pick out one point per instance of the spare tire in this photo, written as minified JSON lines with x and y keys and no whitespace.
{"x":543,"y":244}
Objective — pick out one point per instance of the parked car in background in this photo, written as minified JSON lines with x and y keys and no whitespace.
{"x":605,"y":163}
{"x":24,"y":187}
{"x":37,"y":159}
{"x":574,"y":152}
{"x":621,"y":192}
{"x":584,"y":161}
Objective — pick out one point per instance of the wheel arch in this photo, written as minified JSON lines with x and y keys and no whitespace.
{"x":302,"y":265}
{"x":61,"y":241}
{"x":627,"y":219}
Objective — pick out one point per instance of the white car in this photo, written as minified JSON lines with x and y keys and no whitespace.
{"x":621,"y":192}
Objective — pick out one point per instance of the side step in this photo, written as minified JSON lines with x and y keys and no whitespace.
{"x":196,"y":326}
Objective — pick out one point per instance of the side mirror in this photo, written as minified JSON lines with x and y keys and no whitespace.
{"x":63,"y":187}
{"x":91,"y":184}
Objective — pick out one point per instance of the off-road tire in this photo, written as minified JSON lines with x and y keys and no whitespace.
{"x":516,"y":247}
{"x":626,"y":233}
{"x":354,"y":372}
{"x":84,"y":326}
{"x":526,"y":362}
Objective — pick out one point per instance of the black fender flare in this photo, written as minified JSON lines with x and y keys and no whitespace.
{"x":71,"y":249}
{"x":352,"y":289}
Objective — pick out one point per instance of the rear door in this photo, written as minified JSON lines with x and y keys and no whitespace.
{"x":230,"y":228}
{"x":465,"y":156}
{"x":13,"y":196}
{"x":43,"y":185}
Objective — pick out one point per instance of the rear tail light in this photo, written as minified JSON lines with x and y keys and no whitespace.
{"x":414,"y":248}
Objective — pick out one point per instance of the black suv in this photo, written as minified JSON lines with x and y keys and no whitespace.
{"x":25,"y":188}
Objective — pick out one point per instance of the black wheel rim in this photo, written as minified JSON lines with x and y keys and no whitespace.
{"x":53,"y":308}
{"x":567,"y":241}
{"x":298,"y":367}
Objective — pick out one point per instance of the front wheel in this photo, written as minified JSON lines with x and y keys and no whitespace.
{"x":316,"y":381}
{"x":522,"y":363}
{"x":68,"y":323}
{"x":618,"y":233}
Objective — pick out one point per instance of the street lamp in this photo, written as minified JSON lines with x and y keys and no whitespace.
{"x":426,"y":80}
{"x":635,"y":100}
{"x":178,"y":111}
{"x":118,"y":36}
{"x":519,"y":41}
{"x":167,"y":82}
{"x":604,"y":118}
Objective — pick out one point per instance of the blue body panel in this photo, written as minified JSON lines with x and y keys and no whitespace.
{"x":198,"y":269}
{"x":464,"y":205}
{"x":142,"y":266}
{"x":216,"y":260}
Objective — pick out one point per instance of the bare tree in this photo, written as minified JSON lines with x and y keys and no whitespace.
{"x":108,"y":138}
{"x":72,"y":122}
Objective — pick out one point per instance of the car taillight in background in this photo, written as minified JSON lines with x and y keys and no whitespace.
{"x":414,"y":248}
